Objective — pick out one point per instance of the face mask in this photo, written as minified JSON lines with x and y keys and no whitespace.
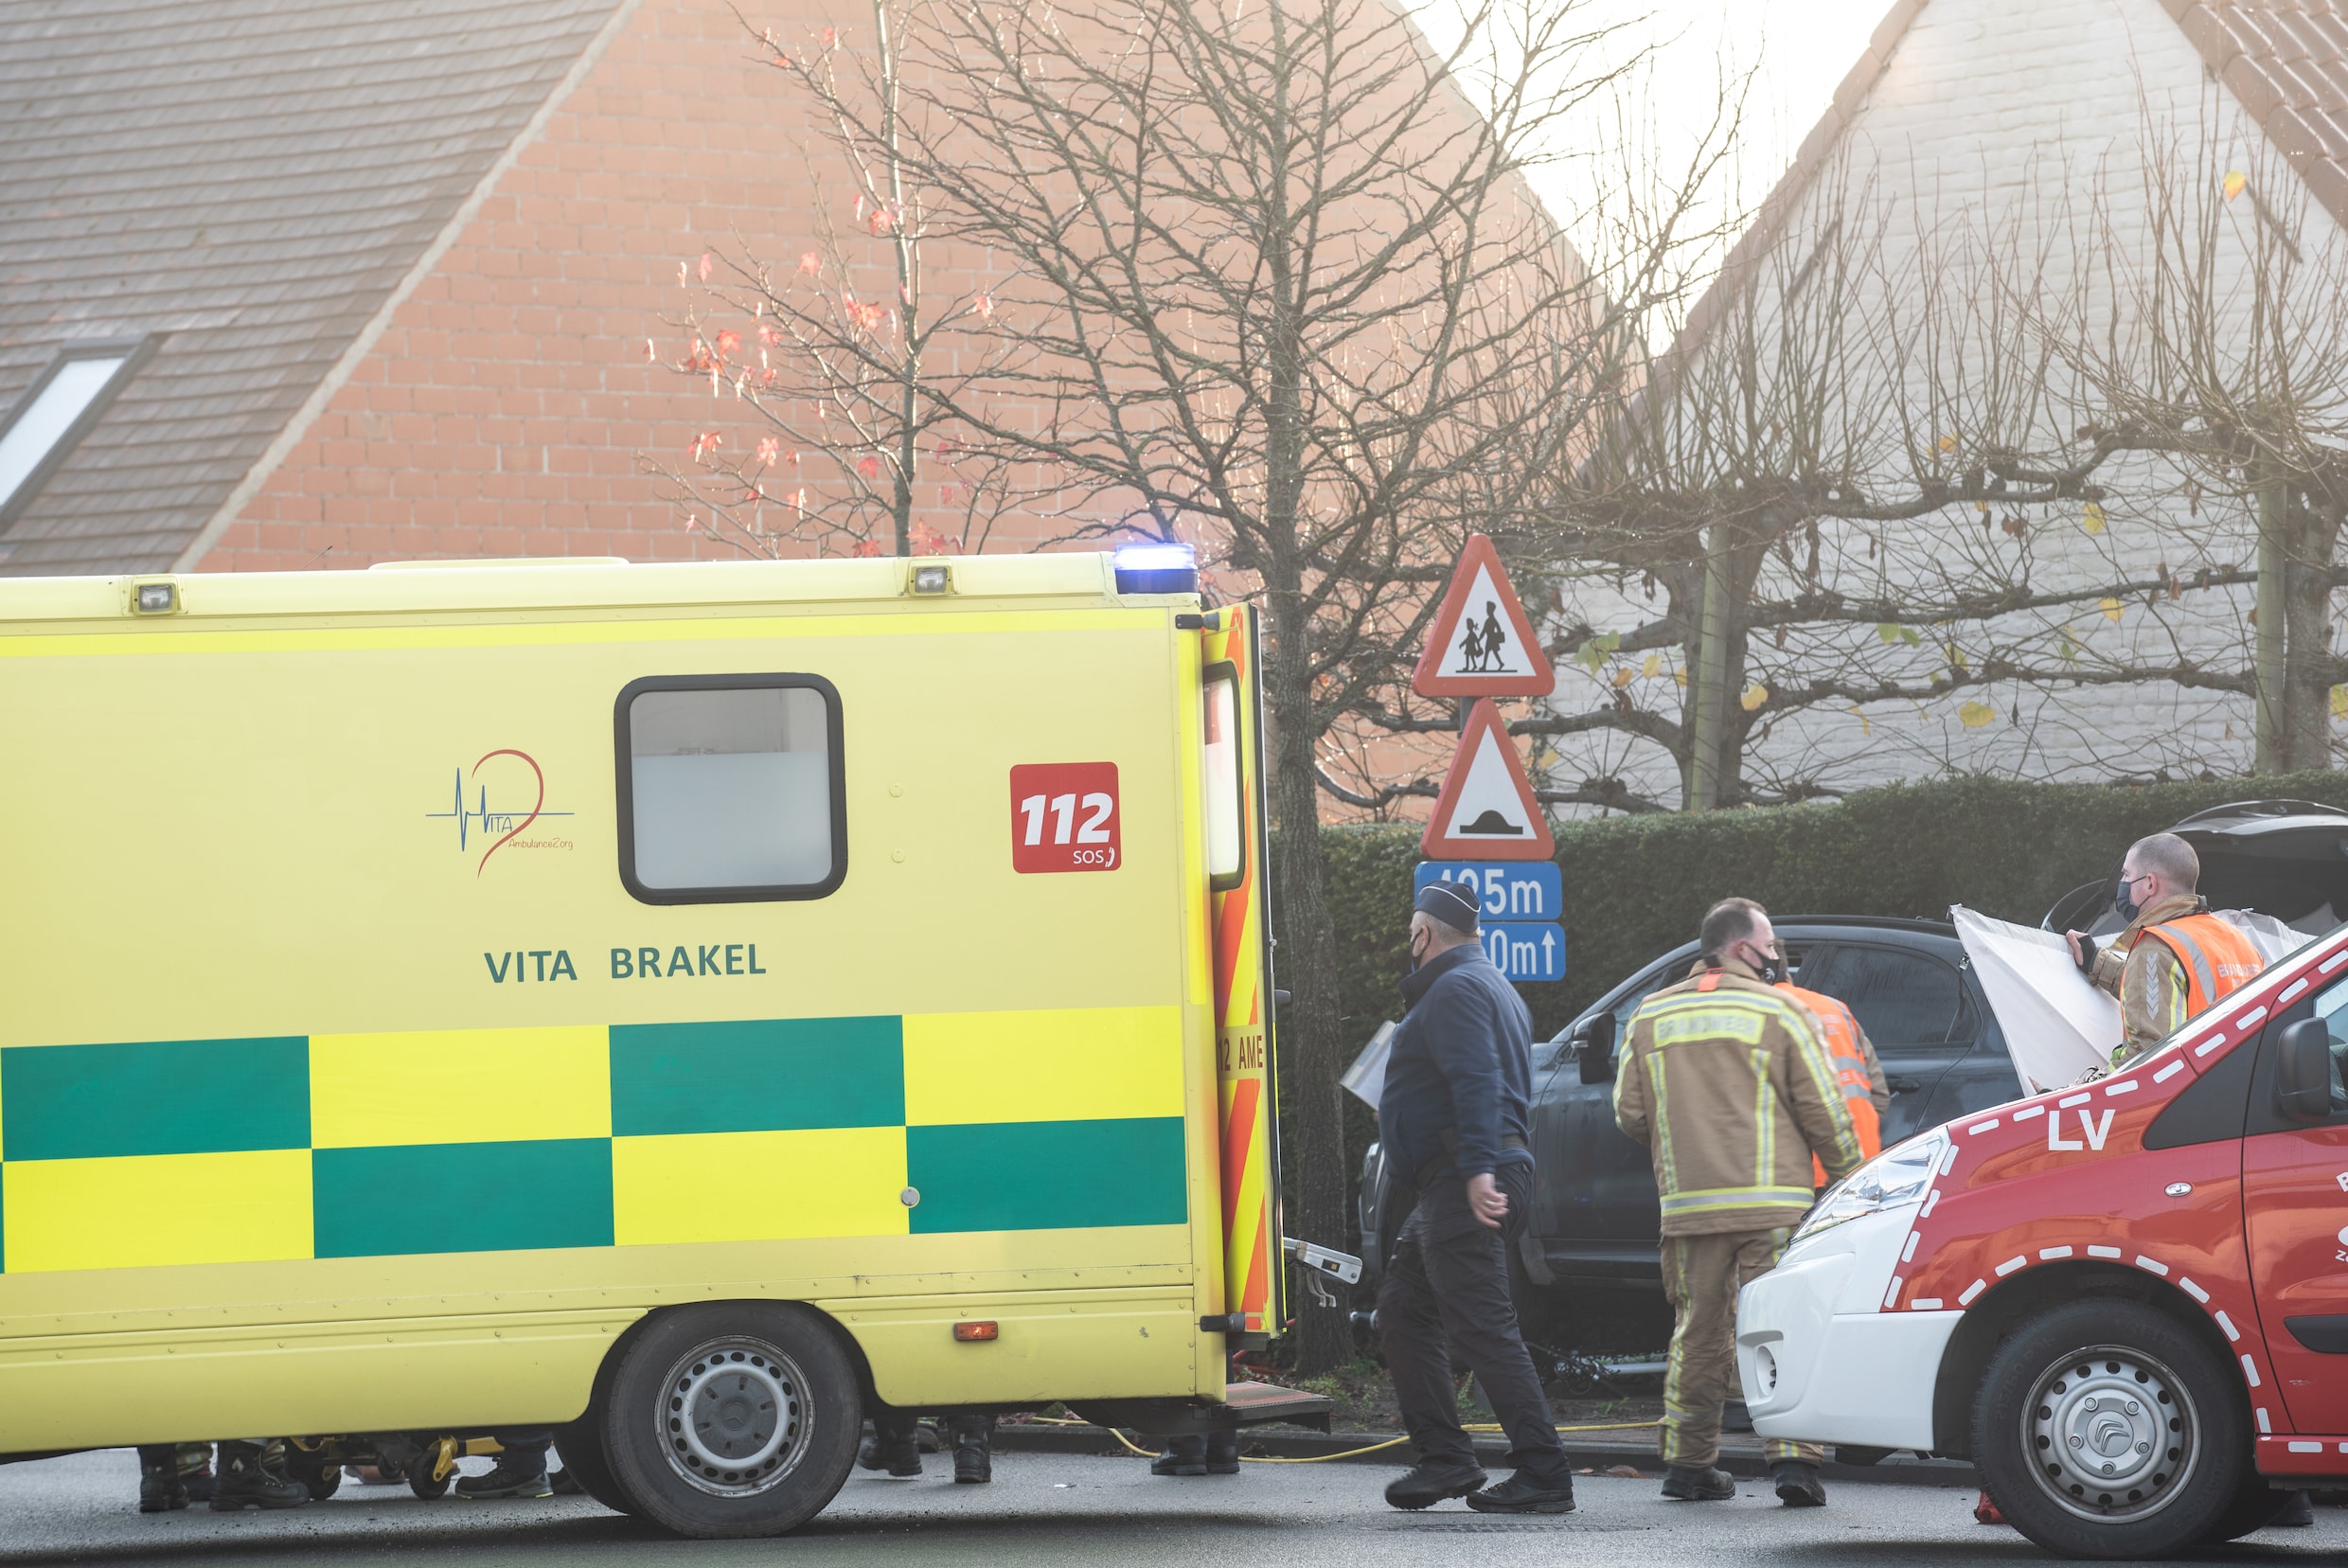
{"x":2124,"y":901}
{"x":1773,"y":969}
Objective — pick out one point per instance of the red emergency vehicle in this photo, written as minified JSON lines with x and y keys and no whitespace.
{"x":2126,"y":1302}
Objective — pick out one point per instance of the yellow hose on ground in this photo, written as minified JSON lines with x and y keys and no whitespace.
{"x":1349,"y":1453}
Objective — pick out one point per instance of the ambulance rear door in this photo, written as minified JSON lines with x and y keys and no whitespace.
{"x":1231,"y":785}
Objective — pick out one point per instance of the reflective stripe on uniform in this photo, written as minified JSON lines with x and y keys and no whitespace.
{"x":1712,"y":1200}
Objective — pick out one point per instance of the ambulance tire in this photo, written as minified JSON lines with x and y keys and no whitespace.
{"x":779,"y":1415}
{"x":2033,"y":1386}
{"x":580,"y":1444}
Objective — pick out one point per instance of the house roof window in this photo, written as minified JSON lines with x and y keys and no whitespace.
{"x":57,"y":411}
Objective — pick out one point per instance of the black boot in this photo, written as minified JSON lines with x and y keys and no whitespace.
{"x":900,"y":1456}
{"x":247,"y":1483}
{"x":195,"y":1471}
{"x":1521,"y":1494}
{"x":1688,"y":1484}
{"x":973,"y":1448}
{"x":1222,"y":1453}
{"x":1797,"y":1483}
{"x":1423,"y":1485}
{"x":1183,"y":1455}
{"x":159,"y":1486}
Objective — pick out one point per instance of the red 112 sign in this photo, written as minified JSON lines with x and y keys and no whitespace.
{"x":1064,"y":816}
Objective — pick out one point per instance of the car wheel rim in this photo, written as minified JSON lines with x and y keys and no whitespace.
{"x":2112,"y":1433}
{"x":734,"y":1417}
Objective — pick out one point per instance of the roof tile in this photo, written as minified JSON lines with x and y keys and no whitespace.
{"x":251,"y":177}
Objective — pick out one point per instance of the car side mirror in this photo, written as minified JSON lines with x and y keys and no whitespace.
{"x":1593,"y":1049}
{"x":2304,"y":1071}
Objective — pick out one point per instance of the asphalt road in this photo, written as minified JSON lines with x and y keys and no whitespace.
{"x":1048,"y":1510}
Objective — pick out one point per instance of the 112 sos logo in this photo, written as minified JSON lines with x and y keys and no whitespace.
{"x":1064,"y":816}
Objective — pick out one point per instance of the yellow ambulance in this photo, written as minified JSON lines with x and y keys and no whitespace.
{"x":682,"y":1004}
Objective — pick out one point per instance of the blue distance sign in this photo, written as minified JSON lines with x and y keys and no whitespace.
{"x":1523,"y":952}
{"x":1506,"y":890}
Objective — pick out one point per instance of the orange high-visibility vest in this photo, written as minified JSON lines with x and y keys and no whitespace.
{"x":1839,"y":1031}
{"x":2216,"y":957}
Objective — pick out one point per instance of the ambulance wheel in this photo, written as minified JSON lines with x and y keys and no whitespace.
{"x":581,"y":1447}
{"x":420,"y":1480}
{"x":2107,"y":1428}
{"x":733,"y":1418}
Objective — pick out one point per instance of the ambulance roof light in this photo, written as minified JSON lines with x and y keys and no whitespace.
{"x":1156,"y":566}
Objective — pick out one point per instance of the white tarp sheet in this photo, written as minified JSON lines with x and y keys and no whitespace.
{"x":2056,"y":1025}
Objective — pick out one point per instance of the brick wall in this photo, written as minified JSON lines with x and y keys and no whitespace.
{"x":506,"y":407}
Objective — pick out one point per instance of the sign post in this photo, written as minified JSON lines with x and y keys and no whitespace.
{"x":1487,"y":831}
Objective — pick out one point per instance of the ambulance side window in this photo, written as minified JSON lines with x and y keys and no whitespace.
{"x":1222,"y":781}
{"x":730,"y":788}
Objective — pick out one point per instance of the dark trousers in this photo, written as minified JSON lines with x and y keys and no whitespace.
{"x":523,"y":1451}
{"x":1447,"y":1278}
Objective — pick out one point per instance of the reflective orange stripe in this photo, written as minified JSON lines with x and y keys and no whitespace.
{"x":1839,"y":1032}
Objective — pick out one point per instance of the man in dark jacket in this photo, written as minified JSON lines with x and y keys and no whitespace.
{"x":1453,"y":1118}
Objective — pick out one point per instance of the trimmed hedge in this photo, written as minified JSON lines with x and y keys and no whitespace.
{"x":1637,"y":886}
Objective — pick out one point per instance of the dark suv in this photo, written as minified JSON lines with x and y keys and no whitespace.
{"x":1596,"y":1216}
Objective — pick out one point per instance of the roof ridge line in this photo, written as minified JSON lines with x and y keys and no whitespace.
{"x":347,"y":363}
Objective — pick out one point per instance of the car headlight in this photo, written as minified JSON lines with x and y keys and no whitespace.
{"x":1894,"y":1179}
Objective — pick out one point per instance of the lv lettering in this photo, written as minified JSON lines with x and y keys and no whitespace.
{"x":2092,"y":1131}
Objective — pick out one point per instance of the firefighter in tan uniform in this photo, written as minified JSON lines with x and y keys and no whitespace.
{"x":1724,"y":1078}
{"x":2175,"y":959}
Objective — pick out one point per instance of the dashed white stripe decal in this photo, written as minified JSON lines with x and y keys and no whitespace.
{"x":2169,"y":1072}
{"x":2227,"y":1324}
{"x":1971,"y":1291}
{"x":2191,"y":1290}
{"x":2251,"y":1020}
{"x":2068,"y":1101}
{"x":2250,"y":1370}
{"x":1931,"y":1201}
{"x":1893,"y":1295}
{"x":2306,"y":1448}
{"x":2102,"y":1252}
{"x":2024,"y":1114}
{"x":2291,"y":990}
{"x":1979,"y":1127}
{"x":1925,"y":1304}
{"x":1949,"y":1164}
{"x":2333,"y":962}
{"x":2208,"y":1046}
{"x":2048,"y":1255}
{"x":1908,"y":1252}
{"x":2263,"y":1427}
{"x":2151,"y":1264}
{"x":2010,"y":1265}
{"x":2124,"y":1086}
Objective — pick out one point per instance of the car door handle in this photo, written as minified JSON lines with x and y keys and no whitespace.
{"x":1904,"y":1085}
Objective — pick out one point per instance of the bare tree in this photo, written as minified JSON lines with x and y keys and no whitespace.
{"x":849,"y":357}
{"x":1274,"y":284}
{"x":2218,"y":327}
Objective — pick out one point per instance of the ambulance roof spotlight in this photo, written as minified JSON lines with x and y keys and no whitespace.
{"x":1157,"y":567}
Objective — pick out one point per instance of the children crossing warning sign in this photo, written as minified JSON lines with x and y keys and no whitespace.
{"x":1482,"y":642}
{"x":1487,"y":810}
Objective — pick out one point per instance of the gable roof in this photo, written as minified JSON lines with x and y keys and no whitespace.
{"x":2286,"y":61}
{"x":253,"y":183}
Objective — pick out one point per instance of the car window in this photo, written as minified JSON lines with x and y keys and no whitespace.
{"x":1902,"y":999}
{"x":1798,"y":957}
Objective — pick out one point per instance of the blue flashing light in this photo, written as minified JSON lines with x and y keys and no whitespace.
{"x":1155,"y":566}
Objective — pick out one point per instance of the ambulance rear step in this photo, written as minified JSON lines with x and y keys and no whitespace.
{"x":1244,"y":1404}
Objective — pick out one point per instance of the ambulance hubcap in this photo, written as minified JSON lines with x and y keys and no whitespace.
{"x":734,"y":1421}
{"x":2111,"y":1433}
